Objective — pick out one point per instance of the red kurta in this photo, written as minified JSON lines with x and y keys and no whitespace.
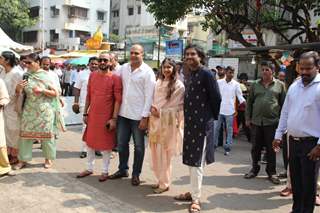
{"x":103,"y":91}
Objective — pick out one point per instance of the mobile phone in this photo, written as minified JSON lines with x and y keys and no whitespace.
{"x":108,"y":126}
{"x":25,"y":77}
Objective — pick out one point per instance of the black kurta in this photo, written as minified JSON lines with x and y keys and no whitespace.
{"x":201,"y":107}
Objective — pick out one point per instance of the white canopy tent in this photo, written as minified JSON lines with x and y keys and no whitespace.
{"x":2,"y":49}
{"x":8,"y":43}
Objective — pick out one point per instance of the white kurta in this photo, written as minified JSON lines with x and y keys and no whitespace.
{"x":4,"y":99}
{"x":11,"y":116}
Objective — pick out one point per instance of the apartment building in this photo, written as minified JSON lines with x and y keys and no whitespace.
{"x":129,"y":13}
{"x":66,"y":24}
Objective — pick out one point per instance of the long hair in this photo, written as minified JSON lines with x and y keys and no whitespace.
{"x":9,"y":57}
{"x":173,"y":77}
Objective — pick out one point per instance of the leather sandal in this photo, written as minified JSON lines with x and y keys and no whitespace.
{"x":19,"y":166}
{"x":184,"y":197}
{"x":195,"y":206}
{"x":103,"y":177}
{"x":159,"y":190}
{"x":155,"y":186}
{"x":84,"y":174}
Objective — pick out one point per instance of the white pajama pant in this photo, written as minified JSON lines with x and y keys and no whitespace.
{"x":196,"y":176}
{"x":91,"y":156}
{"x":83,"y":144}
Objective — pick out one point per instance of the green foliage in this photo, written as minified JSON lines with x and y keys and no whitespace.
{"x":14,"y":16}
{"x":234,"y":16}
{"x":115,"y":38}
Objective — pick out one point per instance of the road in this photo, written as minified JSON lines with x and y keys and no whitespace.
{"x":35,"y":189}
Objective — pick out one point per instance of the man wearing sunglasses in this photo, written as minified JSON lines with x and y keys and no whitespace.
{"x":138,"y":82}
{"x":100,"y":115}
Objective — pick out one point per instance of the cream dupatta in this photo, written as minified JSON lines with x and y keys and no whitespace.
{"x":168,"y":128}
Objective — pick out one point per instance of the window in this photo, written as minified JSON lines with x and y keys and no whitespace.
{"x":100,"y":16}
{"x":139,"y":9}
{"x":130,"y":11}
{"x":30,"y":36}
{"x":78,"y":12}
{"x":34,"y":12}
{"x":54,"y":37}
{"x":70,"y":33}
{"x":115,"y":13}
{"x":54,"y":11}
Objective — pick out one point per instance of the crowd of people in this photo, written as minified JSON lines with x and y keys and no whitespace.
{"x":184,"y":109}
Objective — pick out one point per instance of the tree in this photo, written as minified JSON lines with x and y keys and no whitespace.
{"x":115,"y":38}
{"x":14,"y":16}
{"x":235,"y":16}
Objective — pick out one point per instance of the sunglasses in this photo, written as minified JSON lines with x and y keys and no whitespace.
{"x":103,"y":60}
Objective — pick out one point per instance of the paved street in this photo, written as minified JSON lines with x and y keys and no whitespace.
{"x":35,"y":189}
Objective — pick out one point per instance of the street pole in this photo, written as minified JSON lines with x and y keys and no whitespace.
{"x":42,"y":26}
{"x":159,"y":40}
{"x":125,"y":44}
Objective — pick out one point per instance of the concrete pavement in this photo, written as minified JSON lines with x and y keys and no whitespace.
{"x":35,"y":189}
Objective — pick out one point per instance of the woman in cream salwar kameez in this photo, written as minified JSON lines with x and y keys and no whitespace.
{"x":5,"y":168}
{"x":41,"y":114}
{"x":11,"y":76}
{"x":166,"y":124}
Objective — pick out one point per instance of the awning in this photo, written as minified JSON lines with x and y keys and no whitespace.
{"x":8,"y":43}
{"x":314,"y":45}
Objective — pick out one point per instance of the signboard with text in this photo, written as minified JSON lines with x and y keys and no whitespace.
{"x":174,"y":49}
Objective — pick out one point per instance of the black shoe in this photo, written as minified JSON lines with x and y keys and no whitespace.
{"x":83,"y":155}
{"x":118,"y":175}
{"x":274,"y":179}
{"x":250,"y":175}
{"x":135,"y":181}
{"x":283,"y":175}
{"x":98,"y":153}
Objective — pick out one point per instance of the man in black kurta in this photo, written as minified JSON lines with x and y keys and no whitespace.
{"x":201,"y":107}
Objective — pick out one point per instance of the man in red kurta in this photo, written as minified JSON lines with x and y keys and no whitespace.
{"x":100,"y":114}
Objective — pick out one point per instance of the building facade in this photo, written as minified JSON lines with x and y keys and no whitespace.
{"x":127,"y":14}
{"x":66,"y":24}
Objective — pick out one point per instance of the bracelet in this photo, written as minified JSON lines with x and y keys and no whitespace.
{"x":86,"y":114}
{"x":114,"y":118}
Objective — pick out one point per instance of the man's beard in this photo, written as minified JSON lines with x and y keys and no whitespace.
{"x":307,"y":78}
{"x":104,"y":67}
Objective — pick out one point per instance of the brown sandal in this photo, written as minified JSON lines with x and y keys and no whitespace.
{"x":184,"y":197}
{"x":195,"y":206}
{"x":155,"y":186}
{"x":84,"y":174}
{"x":159,"y":190}
{"x":103,"y":177}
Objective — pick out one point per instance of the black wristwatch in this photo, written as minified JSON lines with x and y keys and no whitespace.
{"x":84,"y":115}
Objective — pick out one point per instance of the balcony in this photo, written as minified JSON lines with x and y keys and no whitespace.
{"x":78,"y":3}
{"x":77,"y":24}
